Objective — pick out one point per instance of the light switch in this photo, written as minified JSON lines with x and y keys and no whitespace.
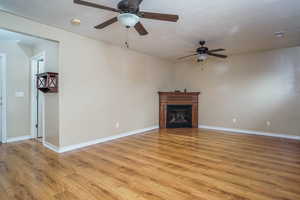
{"x":19,"y":94}
{"x":234,"y":120}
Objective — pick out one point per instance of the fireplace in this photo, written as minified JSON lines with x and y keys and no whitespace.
{"x":179,"y":116}
{"x":178,"y":109}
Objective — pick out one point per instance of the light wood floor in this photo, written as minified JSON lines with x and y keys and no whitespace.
{"x":167,"y":165}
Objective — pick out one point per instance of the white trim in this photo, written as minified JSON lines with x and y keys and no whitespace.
{"x":18,"y":139}
{"x":41,"y":55}
{"x":51,"y":146}
{"x":101,"y":140}
{"x":3,"y":91}
{"x":43,"y":118}
{"x":243,"y":131}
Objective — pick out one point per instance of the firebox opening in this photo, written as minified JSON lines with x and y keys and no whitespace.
{"x":179,"y":116}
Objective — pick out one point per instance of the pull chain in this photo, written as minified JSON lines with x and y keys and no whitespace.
{"x":127,"y":37}
{"x":202,"y":66}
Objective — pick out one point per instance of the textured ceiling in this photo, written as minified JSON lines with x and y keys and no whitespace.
{"x":237,"y":25}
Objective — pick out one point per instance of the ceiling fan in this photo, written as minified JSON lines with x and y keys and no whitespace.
{"x":129,"y":14}
{"x":203,"y":53}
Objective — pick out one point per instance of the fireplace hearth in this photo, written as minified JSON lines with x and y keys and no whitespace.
{"x":178,"y":109}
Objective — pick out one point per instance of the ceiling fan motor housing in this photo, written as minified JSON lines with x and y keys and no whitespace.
{"x":125,"y":7}
{"x":202,"y":50}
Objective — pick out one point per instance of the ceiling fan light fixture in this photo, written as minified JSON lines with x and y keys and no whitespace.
{"x":128,"y":19}
{"x":202,"y":57}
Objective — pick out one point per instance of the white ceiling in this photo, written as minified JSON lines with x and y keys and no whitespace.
{"x":237,"y":25}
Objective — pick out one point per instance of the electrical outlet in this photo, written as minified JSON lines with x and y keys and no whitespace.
{"x":234,"y":120}
{"x":117,"y":125}
{"x":268,"y":123}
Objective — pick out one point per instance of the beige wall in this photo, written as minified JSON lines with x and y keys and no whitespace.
{"x":254,"y":88}
{"x":17,"y":78}
{"x":100,"y":84}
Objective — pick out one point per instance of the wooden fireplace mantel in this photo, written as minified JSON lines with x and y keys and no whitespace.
{"x":178,"y":98}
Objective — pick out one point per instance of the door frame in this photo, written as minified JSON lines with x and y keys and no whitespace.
{"x":33,"y":128}
{"x":3,"y":91}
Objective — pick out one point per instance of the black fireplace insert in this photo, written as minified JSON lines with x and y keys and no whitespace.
{"x":179,"y":116}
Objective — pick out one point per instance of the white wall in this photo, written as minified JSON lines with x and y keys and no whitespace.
{"x":51,"y":51}
{"x":51,"y":100}
{"x":100,"y":84}
{"x":17,"y":77}
{"x":254,"y":88}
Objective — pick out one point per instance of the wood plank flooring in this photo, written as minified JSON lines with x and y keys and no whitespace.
{"x":173,"y":164}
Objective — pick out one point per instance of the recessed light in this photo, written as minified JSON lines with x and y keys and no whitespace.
{"x":280,"y":34}
{"x":75,"y":21}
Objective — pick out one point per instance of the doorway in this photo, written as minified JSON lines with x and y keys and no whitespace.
{"x":38,"y":100}
{"x":2,"y":98}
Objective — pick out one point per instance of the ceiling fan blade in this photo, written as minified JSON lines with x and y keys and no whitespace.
{"x":186,"y":56}
{"x":94,"y":5}
{"x":217,"y":55}
{"x":107,"y":23}
{"x":140,"y":29}
{"x":216,"y":50}
{"x":159,"y":16}
{"x":191,"y":51}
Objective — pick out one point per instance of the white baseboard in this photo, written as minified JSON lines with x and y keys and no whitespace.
{"x":51,"y":147}
{"x":101,"y":140}
{"x":18,"y":139}
{"x":242,"y":131}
